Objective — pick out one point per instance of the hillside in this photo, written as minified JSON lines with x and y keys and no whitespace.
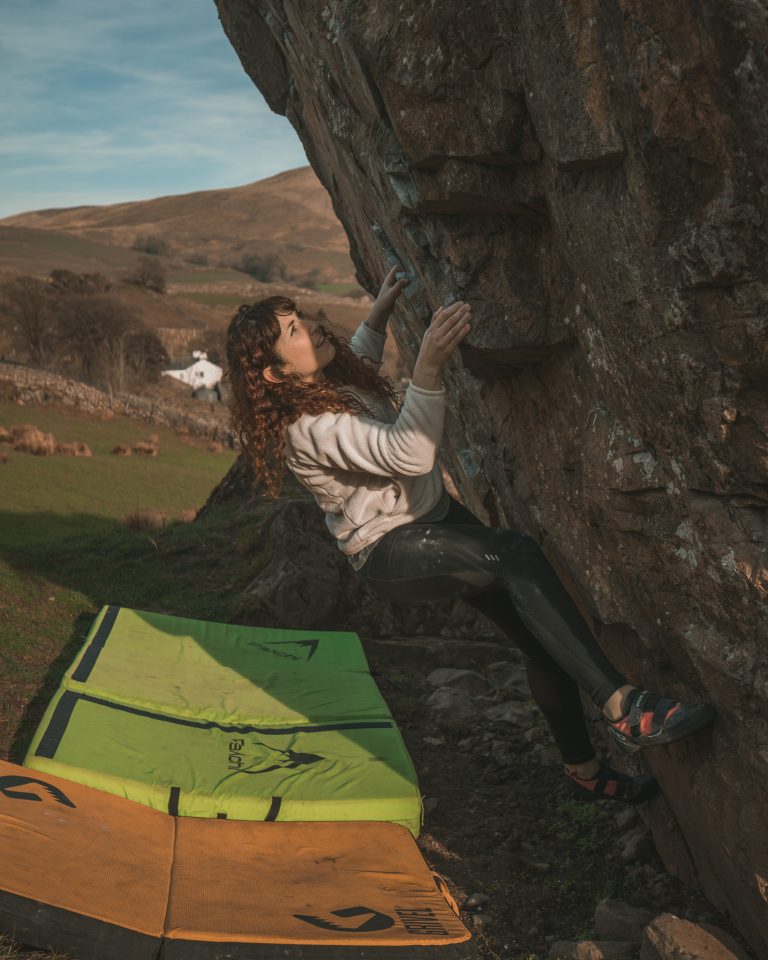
{"x":290,"y":214}
{"x":207,"y":234}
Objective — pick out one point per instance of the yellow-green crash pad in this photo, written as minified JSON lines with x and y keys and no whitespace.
{"x":219,"y":720}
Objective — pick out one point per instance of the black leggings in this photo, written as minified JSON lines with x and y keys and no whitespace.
{"x":505,"y":576}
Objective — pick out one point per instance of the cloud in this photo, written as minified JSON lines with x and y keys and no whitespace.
{"x":104,"y":97}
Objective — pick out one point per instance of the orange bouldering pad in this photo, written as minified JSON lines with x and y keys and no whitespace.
{"x":93,"y":875}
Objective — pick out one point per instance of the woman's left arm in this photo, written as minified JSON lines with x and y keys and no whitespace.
{"x":384,"y":303}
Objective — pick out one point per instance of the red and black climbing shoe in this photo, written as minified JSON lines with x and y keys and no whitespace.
{"x":610,"y":784}
{"x":651,"y":719}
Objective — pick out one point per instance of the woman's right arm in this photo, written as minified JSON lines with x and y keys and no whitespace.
{"x":407,"y":447}
{"x":448,"y":328}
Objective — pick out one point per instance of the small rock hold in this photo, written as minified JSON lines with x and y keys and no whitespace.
{"x":479,"y":920}
{"x":625,"y":817}
{"x":637,"y":844}
{"x":466,"y":680}
{"x":477,"y":900}
{"x":504,"y":671}
{"x":430,"y":804}
{"x":511,"y":712}
{"x":433,"y":741}
{"x":615,"y":920}
{"x":534,"y":735}
{"x":592,"y":950}
{"x":451,"y":707}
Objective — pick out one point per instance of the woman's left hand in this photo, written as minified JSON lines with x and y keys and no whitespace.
{"x":390,"y":291}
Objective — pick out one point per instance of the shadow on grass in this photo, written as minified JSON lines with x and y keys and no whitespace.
{"x":157,"y":569}
{"x":187,"y":569}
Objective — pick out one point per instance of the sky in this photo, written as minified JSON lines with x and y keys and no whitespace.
{"x":110,"y":102}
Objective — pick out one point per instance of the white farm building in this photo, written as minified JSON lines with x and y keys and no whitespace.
{"x":202,"y":373}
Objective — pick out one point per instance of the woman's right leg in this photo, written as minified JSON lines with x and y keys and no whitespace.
{"x":555,"y":692}
{"x":460,"y":557}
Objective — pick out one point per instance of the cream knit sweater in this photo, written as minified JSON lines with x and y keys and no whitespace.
{"x":370,"y":474}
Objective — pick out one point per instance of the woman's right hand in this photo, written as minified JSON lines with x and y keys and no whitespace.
{"x":448,"y":328}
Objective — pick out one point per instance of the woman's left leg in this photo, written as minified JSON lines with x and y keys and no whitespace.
{"x":459,"y":557}
{"x":556,"y":694}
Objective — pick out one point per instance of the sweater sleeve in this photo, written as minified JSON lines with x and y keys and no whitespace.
{"x":408,"y":447}
{"x":367,"y":342}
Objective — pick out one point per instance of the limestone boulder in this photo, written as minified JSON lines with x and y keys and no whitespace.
{"x":593,"y":179}
{"x":671,"y":938}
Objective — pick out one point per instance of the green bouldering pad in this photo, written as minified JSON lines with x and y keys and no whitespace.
{"x":219,"y":720}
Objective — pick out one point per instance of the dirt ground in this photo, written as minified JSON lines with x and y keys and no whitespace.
{"x":499,"y":822}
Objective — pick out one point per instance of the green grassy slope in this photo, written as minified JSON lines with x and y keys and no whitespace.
{"x":65,"y":551}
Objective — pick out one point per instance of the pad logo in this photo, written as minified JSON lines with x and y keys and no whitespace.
{"x":309,"y":645}
{"x":376,"y":920}
{"x":270,"y":758}
{"x":9,"y":785}
{"x":421,"y":921}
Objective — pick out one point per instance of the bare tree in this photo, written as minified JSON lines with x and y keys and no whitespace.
{"x":145,"y":355}
{"x":151,"y":243}
{"x":267,"y":268}
{"x":150,"y":274}
{"x":26,"y":312}
{"x":95,"y":332}
{"x":65,"y":281}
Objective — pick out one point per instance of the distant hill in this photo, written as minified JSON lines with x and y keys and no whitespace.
{"x":207,"y":234}
{"x":290,"y":214}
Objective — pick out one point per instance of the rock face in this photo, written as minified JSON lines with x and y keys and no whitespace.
{"x":593,"y":179}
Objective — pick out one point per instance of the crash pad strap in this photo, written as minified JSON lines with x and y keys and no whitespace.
{"x":84,"y":668}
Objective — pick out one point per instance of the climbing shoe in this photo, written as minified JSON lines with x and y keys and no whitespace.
{"x":651,"y":719}
{"x":610,"y":784}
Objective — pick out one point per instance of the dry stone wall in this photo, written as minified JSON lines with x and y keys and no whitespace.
{"x":593,"y":179}
{"x":25,"y":385}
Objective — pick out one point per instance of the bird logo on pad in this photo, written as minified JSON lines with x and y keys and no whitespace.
{"x":268,"y":758}
{"x":303,"y":650}
{"x":9,"y":788}
{"x":375,"y":921}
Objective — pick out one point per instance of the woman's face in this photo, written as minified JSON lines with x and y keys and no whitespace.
{"x":302,"y":347}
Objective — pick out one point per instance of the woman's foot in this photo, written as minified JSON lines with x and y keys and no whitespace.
{"x":609,"y":784}
{"x":649,"y":719}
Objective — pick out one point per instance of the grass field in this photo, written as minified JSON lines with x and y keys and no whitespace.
{"x":65,"y":550}
{"x":339,"y":289}
{"x":214,"y":299}
{"x":27,"y":243}
{"x":208,"y":276}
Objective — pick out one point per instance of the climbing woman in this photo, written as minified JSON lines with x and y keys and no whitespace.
{"x":304,"y":398}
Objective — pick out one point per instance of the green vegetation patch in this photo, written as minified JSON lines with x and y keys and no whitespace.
{"x":206,"y":276}
{"x":217,"y":299}
{"x":340,"y":289}
{"x":46,"y":499}
{"x":50,"y":593}
{"x":32,"y":244}
{"x":65,"y":549}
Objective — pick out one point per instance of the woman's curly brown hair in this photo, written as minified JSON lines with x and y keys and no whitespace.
{"x":261,"y":410}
